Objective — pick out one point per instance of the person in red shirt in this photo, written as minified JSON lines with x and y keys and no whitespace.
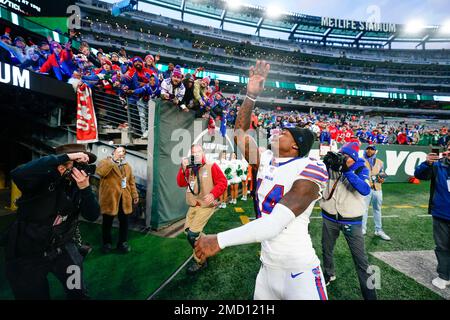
{"x":58,"y":60}
{"x":333,"y":131}
{"x":348,"y":134}
{"x":340,"y":135}
{"x":401,"y":138}
{"x":200,"y":199}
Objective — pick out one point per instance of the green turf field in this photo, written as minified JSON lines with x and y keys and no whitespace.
{"x":231,"y":274}
{"x":115,"y":276}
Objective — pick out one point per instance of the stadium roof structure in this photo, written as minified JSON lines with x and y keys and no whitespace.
{"x":301,"y":27}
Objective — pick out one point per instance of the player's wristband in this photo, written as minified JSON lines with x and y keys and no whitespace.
{"x":251,"y":98}
{"x":258,"y":230}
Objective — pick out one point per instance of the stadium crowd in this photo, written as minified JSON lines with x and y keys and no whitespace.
{"x":137,"y":79}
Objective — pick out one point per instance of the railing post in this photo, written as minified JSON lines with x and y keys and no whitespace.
{"x":130,"y":126}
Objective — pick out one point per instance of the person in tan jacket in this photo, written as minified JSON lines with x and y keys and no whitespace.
{"x":200,"y":199}
{"x":117,"y":195}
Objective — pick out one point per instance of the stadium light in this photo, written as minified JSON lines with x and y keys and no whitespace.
{"x":445,"y":28}
{"x":415,"y":26}
{"x":274,"y":11}
{"x":233,"y":4}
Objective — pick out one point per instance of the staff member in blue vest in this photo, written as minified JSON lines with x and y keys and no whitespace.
{"x":438,"y":171}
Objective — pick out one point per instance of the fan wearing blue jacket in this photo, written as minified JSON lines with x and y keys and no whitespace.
{"x":438,"y":171}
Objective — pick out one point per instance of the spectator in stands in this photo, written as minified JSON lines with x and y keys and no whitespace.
{"x":438,"y":171}
{"x":43,"y":52}
{"x":117,"y":195}
{"x":168,"y":73}
{"x":325,"y":137}
{"x":123,"y":54}
{"x":188,"y":98}
{"x":117,"y":65}
{"x":150,"y":91}
{"x":59,"y":61}
{"x":150,"y":63}
{"x":86,"y":51}
{"x":201,"y":94}
{"x":102,"y":78}
{"x":172,"y":89}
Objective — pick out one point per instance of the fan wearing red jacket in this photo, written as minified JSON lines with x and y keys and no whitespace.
{"x":200,"y":199}
{"x":59,"y":61}
{"x":333,"y":131}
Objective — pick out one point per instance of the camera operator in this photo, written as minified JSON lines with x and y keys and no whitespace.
{"x":377,"y":176}
{"x":205,"y":183}
{"x":438,"y":171}
{"x":343,"y":205}
{"x":55,"y":190}
{"x":117,"y":194}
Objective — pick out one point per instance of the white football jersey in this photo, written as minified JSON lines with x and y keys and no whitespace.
{"x":293,"y":246}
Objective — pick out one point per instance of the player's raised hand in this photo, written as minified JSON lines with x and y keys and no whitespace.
{"x":206,"y":246}
{"x":257,"y":77}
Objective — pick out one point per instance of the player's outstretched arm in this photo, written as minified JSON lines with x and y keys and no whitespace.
{"x":293,"y":204}
{"x":247,"y":145}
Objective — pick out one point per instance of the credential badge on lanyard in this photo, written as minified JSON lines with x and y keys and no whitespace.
{"x":124,"y":182}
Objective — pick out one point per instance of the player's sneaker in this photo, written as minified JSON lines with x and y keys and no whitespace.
{"x":244,"y":198}
{"x":195,"y":267}
{"x":440,"y":283}
{"x":329,"y":279}
{"x":382,"y":235}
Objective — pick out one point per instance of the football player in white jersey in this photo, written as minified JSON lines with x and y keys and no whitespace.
{"x":288,"y":185}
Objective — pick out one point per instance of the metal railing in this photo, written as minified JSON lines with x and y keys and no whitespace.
{"x":121,"y":113}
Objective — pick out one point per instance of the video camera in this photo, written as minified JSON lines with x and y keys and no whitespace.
{"x":381,"y":175}
{"x":334,"y":161}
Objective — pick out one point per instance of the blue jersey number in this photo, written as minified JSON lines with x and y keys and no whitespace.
{"x":271,"y":199}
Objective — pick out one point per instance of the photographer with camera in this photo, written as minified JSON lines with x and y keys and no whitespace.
{"x":438,"y":171}
{"x":55,"y":191}
{"x":117,"y":195}
{"x":205,"y":183}
{"x":343,"y":205}
{"x":377,"y":176}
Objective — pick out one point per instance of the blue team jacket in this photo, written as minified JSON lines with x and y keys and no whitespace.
{"x":438,"y":173}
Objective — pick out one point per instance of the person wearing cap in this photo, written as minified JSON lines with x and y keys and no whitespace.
{"x":437,"y":169}
{"x":117,"y":195}
{"x":168,"y":73}
{"x":289,"y":184}
{"x":343,"y":205}
{"x":150,"y":63}
{"x":55,"y":192}
{"x":16,"y":50}
{"x":377,"y":175}
{"x":188,"y":98}
{"x":172,"y":89}
{"x":60,"y":61}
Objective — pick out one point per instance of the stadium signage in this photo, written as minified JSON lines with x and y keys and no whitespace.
{"x":19,"y":6}
{"x":24,"y":79}
{"x":14,"y":76}
{"x":358,"y":25}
